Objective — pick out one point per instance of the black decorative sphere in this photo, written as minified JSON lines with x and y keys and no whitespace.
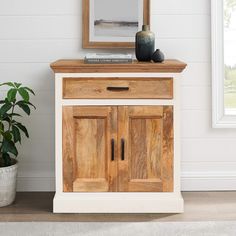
{"x":144,"y":44}
{"x":158,"y":56}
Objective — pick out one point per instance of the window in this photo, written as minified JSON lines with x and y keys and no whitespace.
{"x":224,"y":63}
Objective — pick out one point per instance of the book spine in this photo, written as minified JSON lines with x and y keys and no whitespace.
{"x":103,"y":61}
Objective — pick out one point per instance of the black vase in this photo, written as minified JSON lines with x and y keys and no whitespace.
{"x":158,"y":56}
{"x":144,"y":44}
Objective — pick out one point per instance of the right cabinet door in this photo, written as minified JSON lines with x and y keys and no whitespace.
{"x":146,"y":140}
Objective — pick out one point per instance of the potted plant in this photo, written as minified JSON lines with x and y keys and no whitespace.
{"x":17,"y":99}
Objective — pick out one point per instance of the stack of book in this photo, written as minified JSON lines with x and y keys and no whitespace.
{"x":107,"y":58}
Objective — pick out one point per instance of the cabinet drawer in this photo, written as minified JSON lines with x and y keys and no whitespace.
{"x":161,"y":88}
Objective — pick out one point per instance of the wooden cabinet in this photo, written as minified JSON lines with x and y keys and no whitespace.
{"x":118,"y":148}
{"x":117,"y":137}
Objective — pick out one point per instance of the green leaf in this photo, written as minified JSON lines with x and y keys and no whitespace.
{"x":9,"y":147}
{"x":16,"y":134}
{"x":30,"y":90}
{"x":2,"y":101}
{"x":22,"y":128}
{"x":5,"y":108}
{"x":11,"y":95}
{"x":10,"y":84}
{"x":7,"y":135}
{"x":24,"y":94}
{"x":25,"y":108}
{"x":17,"y":85}
{"x":7,"y":159}
{"x":29,"y":103}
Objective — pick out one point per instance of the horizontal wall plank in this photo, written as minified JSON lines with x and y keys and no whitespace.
{"x":182,"y":26}
{"x":42,"y":7}
{"x":40,"y":127}
{"x":40,"y":27}
{"x":196,"y":98}
{"x":188,"y":50}
{"x":35,"y":75}
{"x":73,"y":7}
{"x":37,"y":184}
{"x":197,"y":124}
{"x":209,"y":166}
{"x":190,"y":7}
{"x":44,"y":51}
{"x":205,"y":150}
{"x":44,"y":102}
{"x":36,"y":169}
{"x":31,"y":151}
{"x":197,"y":74}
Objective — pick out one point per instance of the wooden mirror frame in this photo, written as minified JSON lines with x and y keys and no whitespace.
{"x":88,"y":44}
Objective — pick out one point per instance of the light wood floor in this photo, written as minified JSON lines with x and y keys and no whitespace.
{"x":199,"y":206}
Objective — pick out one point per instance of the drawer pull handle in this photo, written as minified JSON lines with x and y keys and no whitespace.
{"x":122,"y":149}
{"x":112,"y":150}
{"x":117,"y":89}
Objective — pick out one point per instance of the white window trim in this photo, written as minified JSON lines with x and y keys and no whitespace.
{"x":219,"y":118}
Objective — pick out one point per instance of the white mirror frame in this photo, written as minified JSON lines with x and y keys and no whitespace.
{"x":219,"y":118}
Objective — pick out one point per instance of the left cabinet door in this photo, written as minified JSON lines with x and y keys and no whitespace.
{"x":89,"y":149}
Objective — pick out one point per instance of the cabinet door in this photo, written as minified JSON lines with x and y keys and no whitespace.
{"x":145,"y":136}
{"x":89,"y":136}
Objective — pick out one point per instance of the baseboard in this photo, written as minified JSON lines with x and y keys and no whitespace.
{"x":190,"y":181}
{"x":208,"y":181}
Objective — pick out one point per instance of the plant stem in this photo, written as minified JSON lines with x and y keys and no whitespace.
{"x":12,"y":111}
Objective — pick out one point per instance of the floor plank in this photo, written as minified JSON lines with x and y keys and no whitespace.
{"x":199,"y":206}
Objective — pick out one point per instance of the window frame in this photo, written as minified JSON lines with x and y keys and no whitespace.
{"x":219,"y":118}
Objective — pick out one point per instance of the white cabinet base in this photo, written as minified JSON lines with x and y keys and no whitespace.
{"x":118,"y":203}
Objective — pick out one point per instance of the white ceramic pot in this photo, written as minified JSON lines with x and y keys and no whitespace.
{"x":8,"y":184}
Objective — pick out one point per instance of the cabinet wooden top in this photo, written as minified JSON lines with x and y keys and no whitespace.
{"x":78,"y":66}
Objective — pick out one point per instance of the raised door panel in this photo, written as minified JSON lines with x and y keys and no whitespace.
{"x":88,"y":165}
{"x":145,"y":135}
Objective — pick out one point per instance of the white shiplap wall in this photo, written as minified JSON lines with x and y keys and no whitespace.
{"x":35,"y":33}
